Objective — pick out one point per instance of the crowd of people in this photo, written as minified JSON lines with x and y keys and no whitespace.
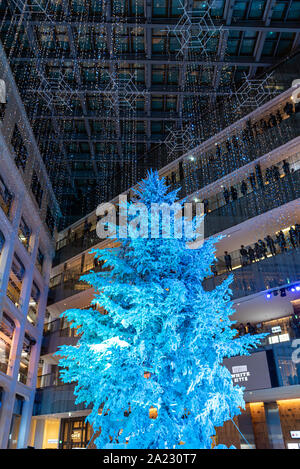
{"x":293,"y":324}
{"x":256,"y":179}
{"x":261,"y":248}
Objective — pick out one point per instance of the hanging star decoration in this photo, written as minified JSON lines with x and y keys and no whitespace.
{"x":254,"y":92}
{"x":122,"y":92}
{"x":194,"y":29}
{"x":28,"y":7}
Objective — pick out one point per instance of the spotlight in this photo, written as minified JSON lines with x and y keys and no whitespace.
{"x":293,"y":289}
{"x":269,"y":296}
{"x":282,"y":292}
{"x":298,"y":287}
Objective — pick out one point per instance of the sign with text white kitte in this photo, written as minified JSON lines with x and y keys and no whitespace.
{"x":251,"y":372}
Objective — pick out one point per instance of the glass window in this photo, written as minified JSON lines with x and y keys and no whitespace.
{"x":7,"y":328}
{"x":257,"y":9}
{"x":285,"y":44}
{"x":24,"y":233}
{"x":33,"y":304}
{"x":248,"y":43}
{"x":25,"y":359}
{"x":239,"y":9}
{"x":50,"y":221}
{"x":19,"y":148}
{"x":15,"y":281}
{"x":279,"y":10}
{"x":294,"y":11}
{"x":6,"y":197}
{"x":36,"y":188}
{"x":40,"y":260}
{"x":159,"y":8}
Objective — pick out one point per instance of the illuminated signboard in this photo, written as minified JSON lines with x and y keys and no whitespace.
{"x":251,"y":372}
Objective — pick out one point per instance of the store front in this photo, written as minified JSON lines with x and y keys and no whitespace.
{"x":74,"y":433}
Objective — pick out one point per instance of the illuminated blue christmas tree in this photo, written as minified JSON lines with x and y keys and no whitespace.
{"x":160,"y":343}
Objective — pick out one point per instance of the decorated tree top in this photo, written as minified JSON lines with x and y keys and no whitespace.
{"x":160,"y":342}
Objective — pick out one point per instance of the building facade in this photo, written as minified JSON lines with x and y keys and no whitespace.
{"x":27,"y":211}
{"x":247,"y":177}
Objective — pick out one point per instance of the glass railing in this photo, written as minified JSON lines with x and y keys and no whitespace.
{"x":68,"y":283}
{"x":211,"y":168}
{"x":263,"y":199}
{"x":56,"y":399}
{"x":275,"y":271}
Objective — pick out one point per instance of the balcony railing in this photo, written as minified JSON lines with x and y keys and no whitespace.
{"x":212,"y":168}
{"x":56,"y":399}
{"x":263,"y":199}
{"x":276,"y":271}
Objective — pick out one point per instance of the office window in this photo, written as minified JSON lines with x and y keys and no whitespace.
{"x":233,"y":42}
{"x":257,"y":9}
{"x":24,"y":233}
{"x":15,"y":282}
{"x":40,"y":260}
{"x":239,"y":10}
{"x":25,"y":358}
{"x":270,"y":44}
{"x":32,"y":313}
{"x":19,"y":148}
{"x":248,"y":43}
{"x":2,"y":241}
{"x":6,"y":197}
{"x":285,"y":44}
{"x":279,"y":11}
{"x":50,"y":221}
{"x":7,"y":329}
{"x":36,"y":188}
{"x":294,"y":12}
{"x":159,"y":8}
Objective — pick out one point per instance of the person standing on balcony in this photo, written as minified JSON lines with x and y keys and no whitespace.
{"x":293,"y":236}
{"x":263,"y":248}
{"x":205,"y":205}
{"x":288,"y":108}
{"x":244,"y":188}
{"x":297,"y":229}
{"x":252,"y":181}
{"x":244,"y":255}
{"x":281,"y":241}
{"x":286,"y":167}
{"x":214,"y":270}
{"x":276,"y":172}
{"x":257,"y":250}
{"x":228,"y":261}
{"x":269,"y":175}
{"x":226,"y":195}
{"x":251,"y":254}
{"x":234,"y":193}
{"x":259,"y":176}
{"x":271,"y":245}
